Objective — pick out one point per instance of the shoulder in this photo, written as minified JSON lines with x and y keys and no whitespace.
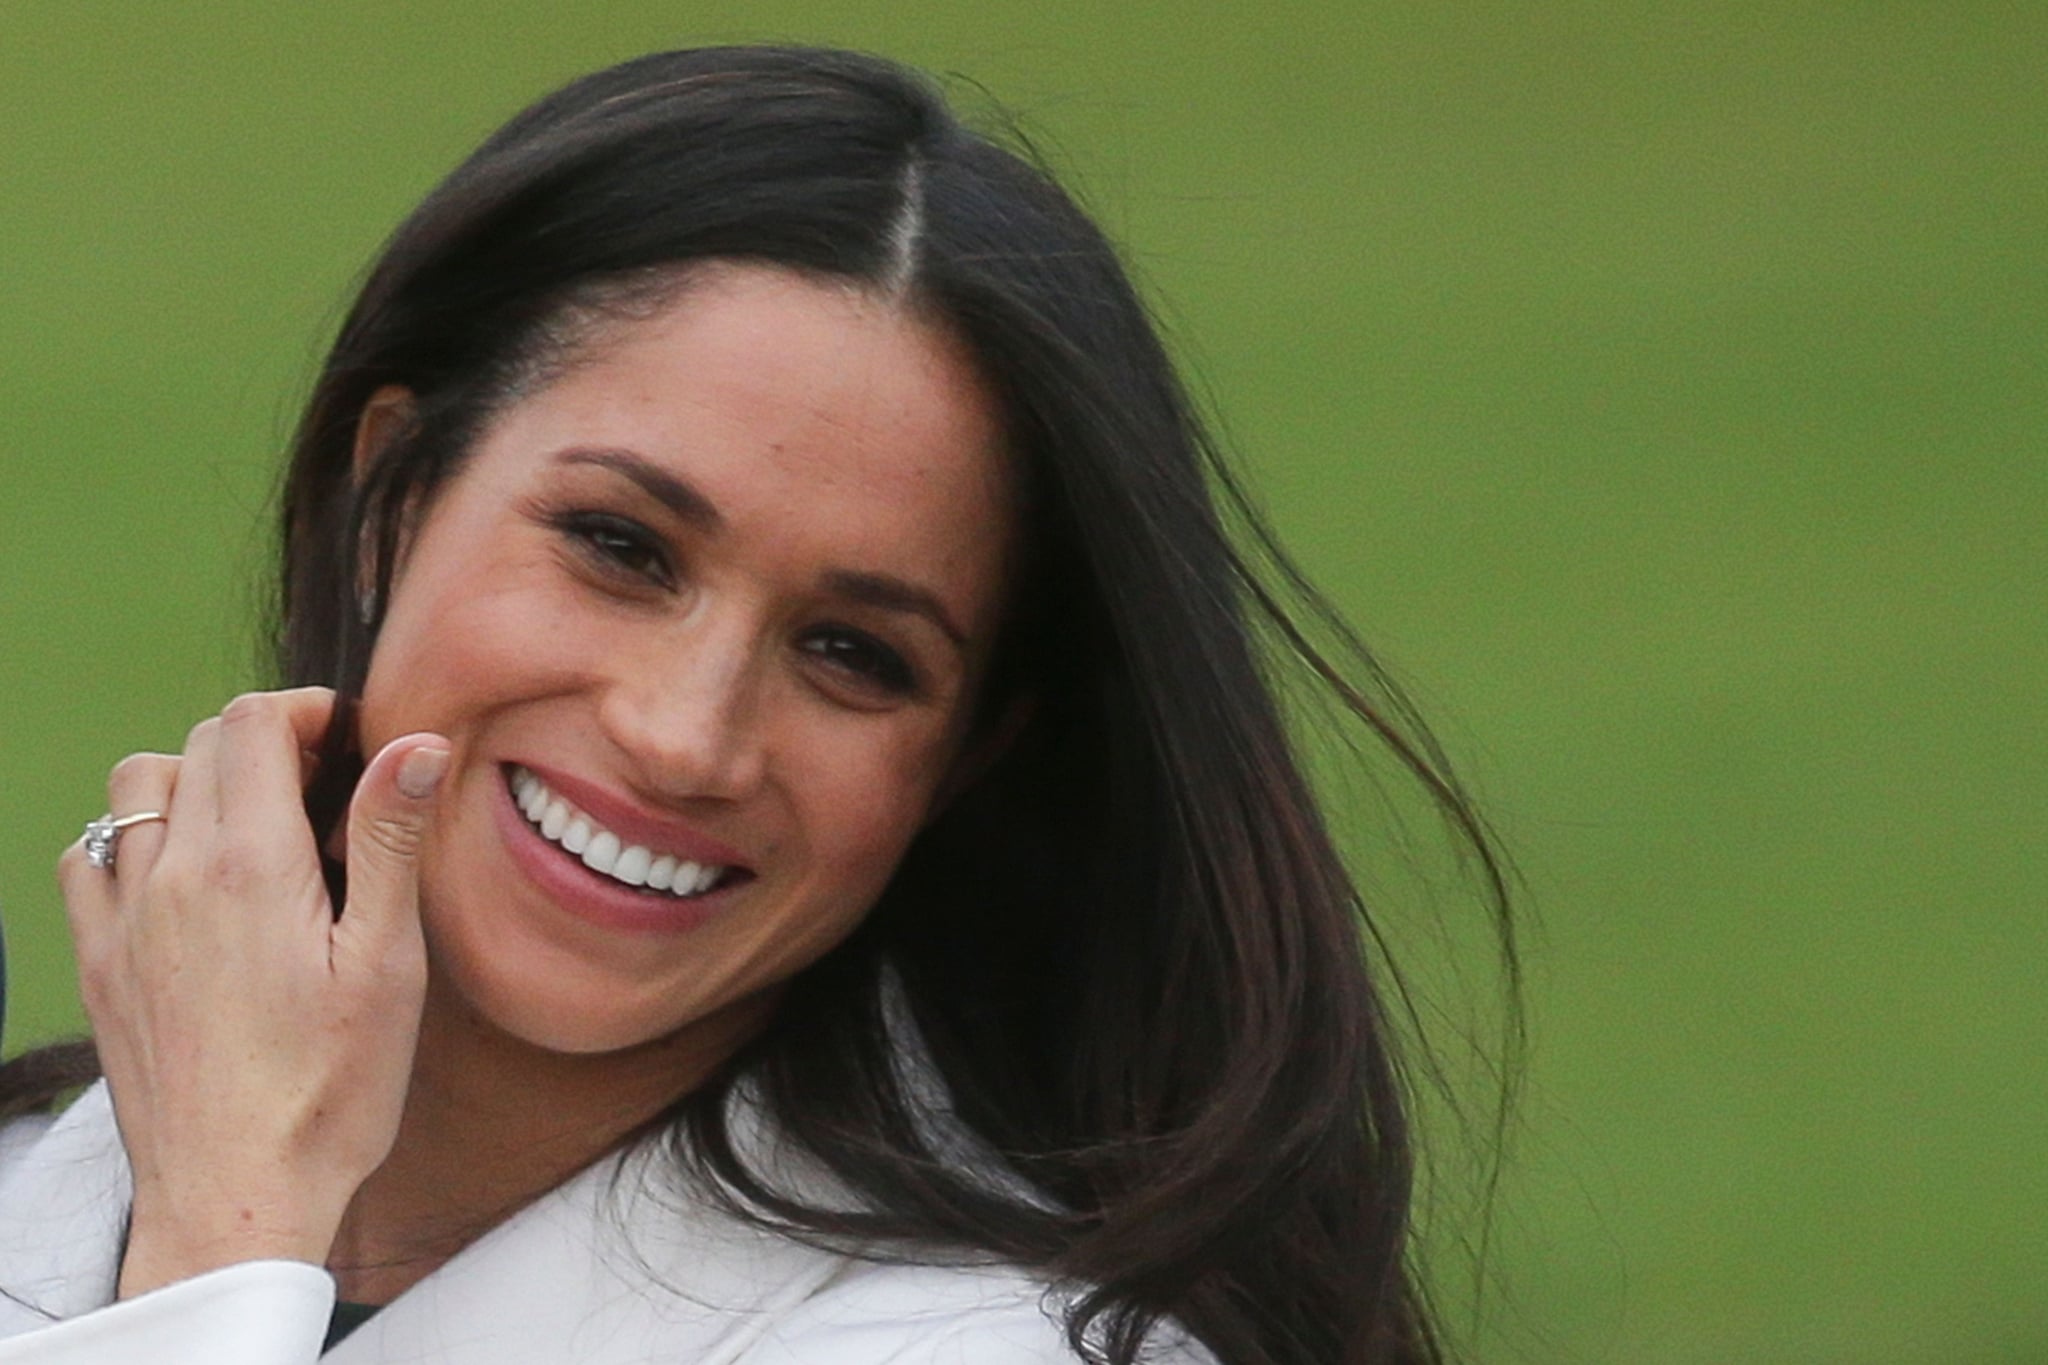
{"x":894,"y":1314}
{"x":80,"y":1146}
{"x":18,"y":1136}
{"x":63,"y":1200}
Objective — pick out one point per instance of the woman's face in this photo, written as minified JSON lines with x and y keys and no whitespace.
{"x":709,"y":609}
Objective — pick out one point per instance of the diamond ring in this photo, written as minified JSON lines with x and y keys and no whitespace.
{"x":103,"y":834}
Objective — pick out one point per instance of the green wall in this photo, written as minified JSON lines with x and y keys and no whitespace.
{"x":1660,"y":386}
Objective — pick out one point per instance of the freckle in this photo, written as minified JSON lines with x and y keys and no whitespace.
{"x":247,"y":1216}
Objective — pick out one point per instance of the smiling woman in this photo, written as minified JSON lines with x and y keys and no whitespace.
{"x":779,"y":846}
{"x":724,"y":593}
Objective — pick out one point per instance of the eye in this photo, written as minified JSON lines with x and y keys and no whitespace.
{"x":862,"y":656}
{"x":618,"y":545}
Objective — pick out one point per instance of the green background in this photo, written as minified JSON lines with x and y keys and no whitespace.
{"x":1661,"y":386}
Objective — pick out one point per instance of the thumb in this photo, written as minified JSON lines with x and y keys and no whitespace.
{"x":387,"y":823}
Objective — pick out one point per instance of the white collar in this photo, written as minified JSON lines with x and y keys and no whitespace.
{"x":620,"y":1264}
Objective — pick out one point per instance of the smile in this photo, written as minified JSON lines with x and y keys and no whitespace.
{"x":603,"y":852}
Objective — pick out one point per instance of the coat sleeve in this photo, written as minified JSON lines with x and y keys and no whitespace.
{"x":254,"y":1313}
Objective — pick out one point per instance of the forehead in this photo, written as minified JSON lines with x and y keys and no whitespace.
{"x":804,"y":409}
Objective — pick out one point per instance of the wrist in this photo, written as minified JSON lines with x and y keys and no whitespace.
{"x":167,"y":1243}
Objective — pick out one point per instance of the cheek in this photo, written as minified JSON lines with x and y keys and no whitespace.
{"x":867,"y":791}
{"x":444,"y":655}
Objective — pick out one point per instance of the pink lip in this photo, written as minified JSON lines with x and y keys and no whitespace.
{"x":660,"y":834}
{"x":594,"y":897}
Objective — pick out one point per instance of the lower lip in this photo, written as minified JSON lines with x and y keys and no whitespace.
{"x":592,"y":896}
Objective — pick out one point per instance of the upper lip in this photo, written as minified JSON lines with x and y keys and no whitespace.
{"x":635,"y":825}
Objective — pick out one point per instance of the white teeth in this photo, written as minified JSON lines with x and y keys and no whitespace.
{"x":631,"y":868}
{"x":603,"y":851}
{"x":576,"y":838}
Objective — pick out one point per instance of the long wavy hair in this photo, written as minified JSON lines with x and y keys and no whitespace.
{"x":1131,"y":951}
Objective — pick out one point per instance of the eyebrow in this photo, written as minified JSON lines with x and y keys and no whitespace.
{"x":893,"y":594}
{"x":682,"y":498}
{"x":674,"y":493}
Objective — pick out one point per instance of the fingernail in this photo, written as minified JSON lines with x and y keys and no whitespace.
{"x":420,"y":772}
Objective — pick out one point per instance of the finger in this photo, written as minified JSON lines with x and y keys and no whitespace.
{"x":261,"y":763}
{"x":90,"y":910}
{"x":138,"y":783}
{"x":310,"y":710}
{"x":141,"y":782}
{"x":88,"y":898}
{"x":195,"y":803}
{"x":387,"y":823}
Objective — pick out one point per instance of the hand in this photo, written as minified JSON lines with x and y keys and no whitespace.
{"x":258,"y":1048}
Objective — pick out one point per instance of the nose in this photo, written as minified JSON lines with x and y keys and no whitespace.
{"x":683,"y":707}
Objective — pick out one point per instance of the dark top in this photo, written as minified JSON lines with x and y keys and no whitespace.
{"x":347,"y":1317}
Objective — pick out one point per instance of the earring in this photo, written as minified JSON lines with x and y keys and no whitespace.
{"x":366,"y":605}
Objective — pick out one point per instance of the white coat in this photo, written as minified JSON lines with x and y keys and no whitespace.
{"x":599,"y":1272}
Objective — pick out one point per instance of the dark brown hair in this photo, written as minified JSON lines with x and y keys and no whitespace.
{"x":1131,"y":951}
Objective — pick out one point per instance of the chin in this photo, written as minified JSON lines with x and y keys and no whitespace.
{"x":567,"y":1035}
{"x":576,"y":1010}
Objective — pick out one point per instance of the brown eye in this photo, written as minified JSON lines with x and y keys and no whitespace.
{"x":863,"y":656}
{"x":619,"y":545}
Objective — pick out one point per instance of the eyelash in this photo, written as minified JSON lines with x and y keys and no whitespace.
{"x":862,"y":655}
{"x":617,"y":545}
{"x":623,"y":548}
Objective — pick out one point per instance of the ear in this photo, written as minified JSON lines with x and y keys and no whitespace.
{"x":385,"y":419}
{"x":981,"y":752}
{"x":387,"y":416}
